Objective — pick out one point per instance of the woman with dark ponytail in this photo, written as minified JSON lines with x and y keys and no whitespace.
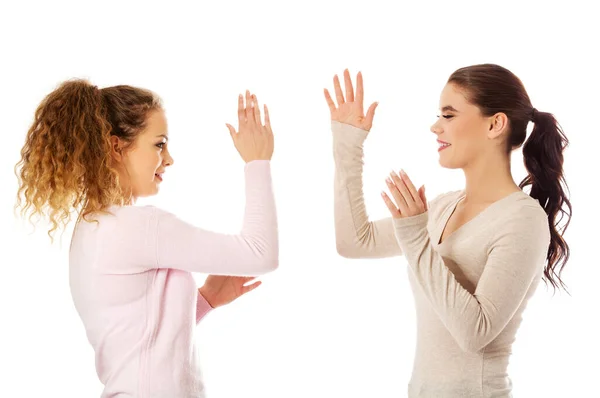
{"x":475,"y":255}
{"x":91,"y":153}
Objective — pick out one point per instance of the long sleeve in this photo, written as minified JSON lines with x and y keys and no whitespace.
{"x":146,"y":237}
{"x":514,"y":258}
{"x":253,"y":252}
{"x":202,"y":307}
{"x":356,"y":236}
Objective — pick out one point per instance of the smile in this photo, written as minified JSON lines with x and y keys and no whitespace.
{"x":443,"y":145}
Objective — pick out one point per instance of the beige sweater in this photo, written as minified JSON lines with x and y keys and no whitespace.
{"x":470,"y":291}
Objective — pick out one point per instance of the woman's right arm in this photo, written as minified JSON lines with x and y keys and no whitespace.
{"x":159,"y":239}
{"x":356,"y":236}
{"x":254,"y":251}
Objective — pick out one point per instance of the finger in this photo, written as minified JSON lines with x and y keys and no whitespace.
{"x":257,"y":118}
{"x":268,"y":120}
{"x":390,"y":205}
{"x":411,"y":188}
{"x":330,"y":102}
{"x":241,"y":113}
{"x":399,"y":198}
{"x":249,"y":288}
{"x":371,"y":112}
{"x":403,"y":189}
{"x":232,"y":132}
{"x":359,"y":89}
{"x":349,"y":88}
{"x":338,"y":90}
{"x":249,"y":110}
{"x":423,"y":197}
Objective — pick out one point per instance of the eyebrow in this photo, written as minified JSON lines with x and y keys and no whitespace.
{"x":163,"y":135}
{"x":449,"y":108}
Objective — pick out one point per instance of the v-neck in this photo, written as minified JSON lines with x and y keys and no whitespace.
{"x":452,"y":209}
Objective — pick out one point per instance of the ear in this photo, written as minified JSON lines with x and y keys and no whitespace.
{"x":498,"y":124}
{"x":116,"y":148}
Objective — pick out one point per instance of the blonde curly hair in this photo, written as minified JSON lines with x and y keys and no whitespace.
{"x":66,"y":163}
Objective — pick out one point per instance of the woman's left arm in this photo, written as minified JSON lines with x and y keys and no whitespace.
{"x":203,"y":307}
{"x":516,"y":253}
{"x":219,"y":290}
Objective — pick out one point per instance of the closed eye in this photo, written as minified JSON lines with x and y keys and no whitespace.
{"x":446,"y":116}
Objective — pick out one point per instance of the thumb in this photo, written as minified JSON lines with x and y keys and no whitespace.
{"x":249,"y":288}
{"x":231,"y":130}
{"x":422,"y":196}
{"x":371,"y":112}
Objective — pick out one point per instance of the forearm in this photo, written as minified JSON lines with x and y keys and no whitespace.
{"x":356,"y":236}
{"x":475,"y":319}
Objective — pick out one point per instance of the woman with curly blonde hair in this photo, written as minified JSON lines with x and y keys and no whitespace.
{"x":93,"y":152}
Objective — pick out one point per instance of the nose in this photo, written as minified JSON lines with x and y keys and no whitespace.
{"x":435,"y":128}
{"x":168,"y":159}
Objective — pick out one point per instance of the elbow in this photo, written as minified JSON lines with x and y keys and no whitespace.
{"x":474,"y":338}
{"x":475,"y":342}
{"x":268,"y":261}
{"x":270,"y":264}
{"x":472,"y":346}
{"x":346,"y":245}
{"x":345,"y":250}
{"x":263,"y":255}
{"x":263,"y":265}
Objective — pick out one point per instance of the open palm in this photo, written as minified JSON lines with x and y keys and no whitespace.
{"x":219,"y":290}
{"x":349,"y":109}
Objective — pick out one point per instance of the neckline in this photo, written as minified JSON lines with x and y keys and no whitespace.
{"x":450,"y":211}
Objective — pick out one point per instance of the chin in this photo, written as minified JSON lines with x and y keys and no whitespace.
{"x":448,"y":164}
{"x":148,"y":193}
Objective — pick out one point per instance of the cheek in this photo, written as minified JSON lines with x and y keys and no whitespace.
{"x":153,"y":161}
{"x":467,"y":133}
{"x":147,"y":165}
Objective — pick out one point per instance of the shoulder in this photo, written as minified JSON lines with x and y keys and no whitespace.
{"x":524,"y":209}
{"x":129,"y":213}
{"x":116,"y":218}
{"x":522,"y":221}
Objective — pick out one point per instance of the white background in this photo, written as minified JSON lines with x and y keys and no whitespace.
{"x":321,"y":325}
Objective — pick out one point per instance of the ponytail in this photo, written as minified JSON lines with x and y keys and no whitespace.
{"x":495,"y":89}
{"x":543,"y":158}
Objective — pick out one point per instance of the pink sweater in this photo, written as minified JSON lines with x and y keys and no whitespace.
{"x":132,"y":286}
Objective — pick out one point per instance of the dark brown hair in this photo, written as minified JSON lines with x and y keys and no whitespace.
{"x":66,"y":161}
{"x":495,"y":89}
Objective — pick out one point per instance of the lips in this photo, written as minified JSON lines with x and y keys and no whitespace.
{"x":159,"y":176}
{"x":443,"y":144}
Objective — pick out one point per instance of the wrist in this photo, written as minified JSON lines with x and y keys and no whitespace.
{"x":207,"y":296}
{"x":264,"y":159}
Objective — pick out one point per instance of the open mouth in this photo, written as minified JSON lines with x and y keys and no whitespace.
{"x":158,"y":176}
{"x":442,"y":145}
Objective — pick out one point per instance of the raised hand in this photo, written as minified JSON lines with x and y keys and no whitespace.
{"x":408,"y":200}
{"x":254,"y":140}
{"x":219,"y":290}
{"x":350,"y":110}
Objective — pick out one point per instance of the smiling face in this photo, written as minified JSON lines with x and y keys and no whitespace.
{"x":146,"y":160}
{"x":470,"y":134}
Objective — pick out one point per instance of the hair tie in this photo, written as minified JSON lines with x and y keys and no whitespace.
{"x":534,"y":113}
